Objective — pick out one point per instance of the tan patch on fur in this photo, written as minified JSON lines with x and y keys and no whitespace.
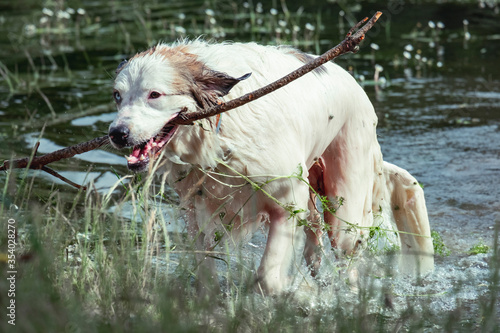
{"x":186,"y":64}
{"x":191,"y":76}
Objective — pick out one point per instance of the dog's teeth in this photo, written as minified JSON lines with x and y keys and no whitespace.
{"x":128,"y":158}
{"x":142,"y":158}
{"x":154,"y":144}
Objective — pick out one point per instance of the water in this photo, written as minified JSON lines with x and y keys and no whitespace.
{"x":439,"y":110}
{"x":452,"y":148}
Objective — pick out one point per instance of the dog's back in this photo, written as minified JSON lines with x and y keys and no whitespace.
{"x":295,"y":123}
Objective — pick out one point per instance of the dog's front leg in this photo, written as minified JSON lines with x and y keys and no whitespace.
{"x":205,"y":271}
{"x":273,"y":269}
{"x":284,"y":237}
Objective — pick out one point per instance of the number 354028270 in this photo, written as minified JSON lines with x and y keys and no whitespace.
{"x":11,"y":235}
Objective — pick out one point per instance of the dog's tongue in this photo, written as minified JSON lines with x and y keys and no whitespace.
{"x":140,"y":152}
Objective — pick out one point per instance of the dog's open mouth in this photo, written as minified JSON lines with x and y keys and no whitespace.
{"x":142,"y":153}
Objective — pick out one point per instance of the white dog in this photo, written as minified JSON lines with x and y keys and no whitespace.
{"x":257,"y":164}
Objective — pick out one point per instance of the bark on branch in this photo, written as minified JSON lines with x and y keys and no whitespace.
{"x":349,"y":44}
{"x":38,"y":162}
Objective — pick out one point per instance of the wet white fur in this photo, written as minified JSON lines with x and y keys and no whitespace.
{"x":320,"y":115}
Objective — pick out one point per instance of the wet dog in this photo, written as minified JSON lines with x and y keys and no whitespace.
{"x":265,"y":162}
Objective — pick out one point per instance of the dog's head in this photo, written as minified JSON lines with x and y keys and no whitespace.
{"x":151,"y":89}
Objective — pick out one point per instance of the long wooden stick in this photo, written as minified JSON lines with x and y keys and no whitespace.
{"x":349,"y":44}
{"x":38,"y":162}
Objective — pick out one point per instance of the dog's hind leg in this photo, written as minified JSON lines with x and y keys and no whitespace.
{"x":314,"y":230}
{"x":348,"y":181}
{"x":314,"y":245}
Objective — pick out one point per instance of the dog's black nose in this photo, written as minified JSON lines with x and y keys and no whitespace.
{"x":119,"y":135}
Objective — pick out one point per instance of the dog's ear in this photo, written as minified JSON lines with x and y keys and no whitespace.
{"x":212,"y":85}
{"x":220,"y":83}
{"x":120,"y":66}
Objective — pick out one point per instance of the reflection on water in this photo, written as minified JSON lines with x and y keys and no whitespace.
{"x":439,"y":108}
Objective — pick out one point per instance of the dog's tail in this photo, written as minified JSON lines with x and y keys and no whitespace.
{"x":401,"y":199}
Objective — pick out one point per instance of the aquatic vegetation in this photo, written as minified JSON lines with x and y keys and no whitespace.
{"x":439,"y":247}
{"x":478,"y":248}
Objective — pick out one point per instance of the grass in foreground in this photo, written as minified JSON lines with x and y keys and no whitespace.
{"x":85,"y":267}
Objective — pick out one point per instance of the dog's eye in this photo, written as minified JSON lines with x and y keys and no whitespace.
{"x":117,"y":96}
{"x":154,"y":95}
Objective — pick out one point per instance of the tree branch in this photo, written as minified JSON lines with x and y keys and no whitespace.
{"x":38,"y":162}
{"x":349,"y":44}
{"x":64,"y":179}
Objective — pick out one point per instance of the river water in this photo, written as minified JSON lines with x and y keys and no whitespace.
{"x":437,"y":98}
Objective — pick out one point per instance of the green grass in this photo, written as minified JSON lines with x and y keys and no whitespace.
{"x":87,"y":267}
